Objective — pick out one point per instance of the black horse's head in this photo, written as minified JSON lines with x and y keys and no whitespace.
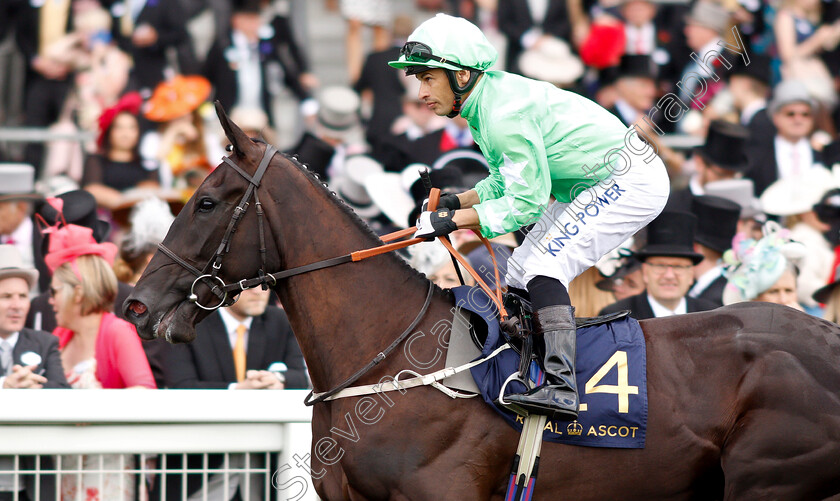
{"x":161,"y":304}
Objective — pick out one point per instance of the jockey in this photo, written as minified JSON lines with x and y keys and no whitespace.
{"x":557,"y":161}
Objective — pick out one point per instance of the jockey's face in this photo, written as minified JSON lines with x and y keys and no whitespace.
{"x":435,"y":91}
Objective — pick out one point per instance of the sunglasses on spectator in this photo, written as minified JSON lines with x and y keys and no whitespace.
{"x":803,"y":114}
{"x":418,"y":52}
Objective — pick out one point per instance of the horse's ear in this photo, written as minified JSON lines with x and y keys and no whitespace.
{"x":242,"y":144}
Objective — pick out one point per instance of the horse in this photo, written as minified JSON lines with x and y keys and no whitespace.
{"x":743,"y":400}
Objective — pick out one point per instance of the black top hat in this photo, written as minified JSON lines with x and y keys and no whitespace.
{"x":671,"y":234}
{"x":472,"y":164}
{"x":822,"y":294}
{"x":757,"y":69}
{"x":724,"y":146}
{"x":717,"y":221}
{"x":637,"y":65}
{"x":828,"y":208}
{"x":79,"y":209}
{"x":247,"y":6}
{"x":315,"y":153}
{"x":608,"y":75}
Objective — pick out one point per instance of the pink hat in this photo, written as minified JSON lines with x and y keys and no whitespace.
{"x":70,"y":241}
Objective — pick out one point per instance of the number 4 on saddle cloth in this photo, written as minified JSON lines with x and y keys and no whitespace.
{"x":611,"y":376}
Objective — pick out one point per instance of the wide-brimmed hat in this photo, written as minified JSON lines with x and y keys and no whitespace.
{"x":797,"y":194}
{"x":724,"y":146}
{"x":11,"y":265}
{"x":338,"y":111}
{"x":787,"y":92}
{"x":823,"y":294}
{"x":604,"y":45}
{"x":472,"y":164}
{"x":72,"y":241}
{"x":350,"y":186}
{"x":551,"y":61}
{"x":671,"y":234}
{"x":709,"y":14}
{"x":828,"y":208}
{"x":128,"y":103}
{"x":717,"y":221}
{"x":390,"y":192}
{"x":177,"y":97}
{"x":740,"y":191}
{"x":17,"y":182}
{"x":75,"y":207}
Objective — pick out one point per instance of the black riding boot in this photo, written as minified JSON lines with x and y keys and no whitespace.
{"x":557,"y":397}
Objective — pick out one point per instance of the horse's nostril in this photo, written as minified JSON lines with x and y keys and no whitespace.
{"x":137,"y":308}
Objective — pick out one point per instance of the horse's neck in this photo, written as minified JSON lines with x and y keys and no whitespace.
{"x":347,"y":313}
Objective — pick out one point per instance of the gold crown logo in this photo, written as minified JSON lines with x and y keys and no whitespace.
{"x":574,"y":428}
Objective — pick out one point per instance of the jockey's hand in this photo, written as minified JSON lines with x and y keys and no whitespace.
{"x":437,"y":223}
{"x":447,"y":200}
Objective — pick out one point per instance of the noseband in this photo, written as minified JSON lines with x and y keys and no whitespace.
{"x":214,"y":265}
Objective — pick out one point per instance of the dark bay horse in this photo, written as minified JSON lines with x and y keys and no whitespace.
{"x":743,"y":400}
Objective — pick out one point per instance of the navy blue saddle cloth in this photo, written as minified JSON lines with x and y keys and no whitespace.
{"x":611,"y":378}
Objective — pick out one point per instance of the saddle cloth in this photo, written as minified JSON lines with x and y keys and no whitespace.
{"x":611,"y":377}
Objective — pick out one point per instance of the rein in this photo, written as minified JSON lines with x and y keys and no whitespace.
{"x":222,"y":290}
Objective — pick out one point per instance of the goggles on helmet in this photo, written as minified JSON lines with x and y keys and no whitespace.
{"x":418,"y":52}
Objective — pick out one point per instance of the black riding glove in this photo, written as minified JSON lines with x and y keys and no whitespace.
{"x":447,"y":200}
{"x":433,"y":224}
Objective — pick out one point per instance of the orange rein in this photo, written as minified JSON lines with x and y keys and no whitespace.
{"x":434,"y":197}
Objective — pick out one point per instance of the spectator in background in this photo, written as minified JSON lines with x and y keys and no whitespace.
{"x":76,"y":207}
{"x":790,"y":152}
{"x":145,"y":29}
{"x":246,"y":67}
{"x":527,"y":25}
{"x":117,"y":166}
{"x":433,"y":260}
{"x":234,"y":348}
{"x":764,"y":269}
{"x":636,"y":88}
{"x":721,"y":157}
{"x":717,"y":224}
{"x":48,"y":80}
{"x":625,"y":281}
{"x":704,"y":27}
{"x":668,"y":261}
{"x":381,"y":86}
{"x":98,"y":350}
{"x":150,"y":221}
{"x":586,"y":296}
{"x":741,"y":192}
{"x":186,"y":151}
{"x":749,"y":85}
{"x":374,"y":13}
{"x":794,"y":197}
{"x":17,"y":226}
{"x":28,"y":359}
{"x":800,"y":40}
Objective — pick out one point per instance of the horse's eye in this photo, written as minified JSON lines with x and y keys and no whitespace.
{"x":205,"y":205}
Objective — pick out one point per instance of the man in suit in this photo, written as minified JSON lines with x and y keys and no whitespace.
{"x":789,"y":153}
{"x":28,"y":359}
{"x":526,"y":24}
{"x":668,"y":261}
{"x":145,"y":29}
{"x":721,"y":157}
{"x":17,"y":226}
{"x":48,"y":80}
{"x":717,"y":222}
{"x":233,"y":349}
{"x":213,"y":359}
{"x":247,"y":66}
{"x":749,"y":85}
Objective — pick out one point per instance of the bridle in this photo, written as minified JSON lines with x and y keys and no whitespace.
{"x":209,"y":275}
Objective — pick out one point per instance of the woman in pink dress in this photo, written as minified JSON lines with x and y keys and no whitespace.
{"x":98,"y":350}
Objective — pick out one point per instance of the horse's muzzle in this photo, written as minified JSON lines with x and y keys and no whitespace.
{"x":138,"y":314}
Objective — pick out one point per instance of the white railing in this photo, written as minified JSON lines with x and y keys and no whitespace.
{"x":249,"y":427}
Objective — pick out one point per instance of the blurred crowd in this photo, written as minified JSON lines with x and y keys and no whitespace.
{"x":740,"y":98}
